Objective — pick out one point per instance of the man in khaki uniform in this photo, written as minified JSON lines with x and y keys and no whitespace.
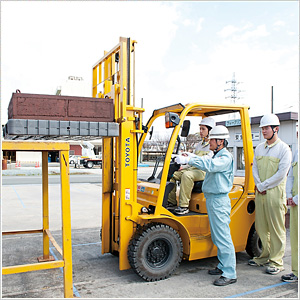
{"x":272,"y":160}
{"x":292,"y":201}
{"x":187,"y":176}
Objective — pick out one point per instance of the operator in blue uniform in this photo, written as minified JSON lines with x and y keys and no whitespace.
{"x":216,"y":186}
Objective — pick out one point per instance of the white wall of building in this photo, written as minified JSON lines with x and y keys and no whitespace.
{"x":27,"y":157}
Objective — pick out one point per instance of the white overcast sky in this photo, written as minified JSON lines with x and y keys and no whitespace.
{"x":186,"y":51}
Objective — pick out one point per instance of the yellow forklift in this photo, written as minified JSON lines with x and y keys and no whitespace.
{"x":136,"y":225}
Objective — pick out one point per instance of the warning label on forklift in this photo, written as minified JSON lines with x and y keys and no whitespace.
{"x":127,"y":152}
{"x":127,"y":194}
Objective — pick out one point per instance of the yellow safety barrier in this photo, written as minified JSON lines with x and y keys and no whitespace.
{"x":47,"y":261}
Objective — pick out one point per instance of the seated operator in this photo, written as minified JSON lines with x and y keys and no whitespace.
{"x":187,"y":176}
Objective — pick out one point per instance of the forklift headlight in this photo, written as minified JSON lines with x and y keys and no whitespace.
{"x":144,"y":210}
{"x":171,"y":119}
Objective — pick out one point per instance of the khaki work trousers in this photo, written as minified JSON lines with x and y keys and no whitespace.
{"x":270,"y":213}
{"x":187,"y":177}
{"x":294,"y":238}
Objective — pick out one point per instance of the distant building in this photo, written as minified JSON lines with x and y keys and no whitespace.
{"x":287,"y":133}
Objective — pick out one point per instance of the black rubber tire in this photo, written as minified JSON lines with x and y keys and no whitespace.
{"x":155,"y":251}
{"x":89,"y":164}
{"x":72,"y":162}
{"x":254,"y":246}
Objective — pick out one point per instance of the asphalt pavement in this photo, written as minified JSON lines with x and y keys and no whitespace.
{"x":96,"y":275}
{"x":32,"y":175}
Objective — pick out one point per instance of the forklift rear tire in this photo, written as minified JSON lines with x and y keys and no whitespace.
{"x":254,"y":246}
{"x":155,"y":251}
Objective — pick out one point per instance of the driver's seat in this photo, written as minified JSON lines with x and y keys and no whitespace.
{"x":197,"y":187}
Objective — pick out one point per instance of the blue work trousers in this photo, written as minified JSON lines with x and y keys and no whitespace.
{"x":218,"y":208}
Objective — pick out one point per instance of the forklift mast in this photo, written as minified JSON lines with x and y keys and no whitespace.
{"x":113,"y":77}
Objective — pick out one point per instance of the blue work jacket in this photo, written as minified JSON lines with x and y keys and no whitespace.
{"x":219,"y":172}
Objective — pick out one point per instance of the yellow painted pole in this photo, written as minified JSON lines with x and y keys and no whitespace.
{"x":66,"y":223}
{"x":32,"y":267}
{"x":95,"y":82}
{"x":107,"y":190}
{"x":45,"y":205}
{"x":99,"y":74}
{"x":34,"y":145}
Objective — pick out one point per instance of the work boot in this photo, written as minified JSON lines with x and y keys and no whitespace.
{"x":215,"y":271}
{"x":181,"y":210}
{"x":252,"y":263}
{"x":289,"y":278}
{"x":224,"y":281}
{"x":171,"y":206}
{"x":273,"y":270}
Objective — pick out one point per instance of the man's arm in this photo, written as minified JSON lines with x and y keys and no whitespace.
{"x":208,"y":164}
{"x":255,"y":171}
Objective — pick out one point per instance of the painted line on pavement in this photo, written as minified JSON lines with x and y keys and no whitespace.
{"x":75,"y":291}
{"x":18,"y":197}
{"x":258,"y":290}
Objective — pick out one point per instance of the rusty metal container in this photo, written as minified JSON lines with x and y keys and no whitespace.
{"x":61,"y":108}
{"x":4,"y":164}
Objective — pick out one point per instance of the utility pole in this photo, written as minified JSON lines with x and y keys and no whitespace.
{"x":272,"y":99}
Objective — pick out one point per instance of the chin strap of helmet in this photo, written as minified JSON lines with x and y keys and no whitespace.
{"x":206,"y":137}
{"x":218,"y":146}
{"x":217,"y":149}
{"x":274,"y":131}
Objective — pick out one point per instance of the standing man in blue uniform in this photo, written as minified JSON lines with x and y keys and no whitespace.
{"x":216,"y":186}
{"x":272,"y":160}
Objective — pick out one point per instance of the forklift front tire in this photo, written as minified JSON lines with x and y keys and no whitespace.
{"x":155,"y":251}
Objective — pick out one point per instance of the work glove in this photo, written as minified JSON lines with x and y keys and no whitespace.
{"x":189,"y":154}
{"x":182,"y":160}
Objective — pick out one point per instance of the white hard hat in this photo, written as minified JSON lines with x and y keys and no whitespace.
{"x":269,"y":120}
{"x":219,"y":132}
{"x":209,"y":121}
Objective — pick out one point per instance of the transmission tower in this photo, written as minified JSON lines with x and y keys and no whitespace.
{"x":234,"y":91}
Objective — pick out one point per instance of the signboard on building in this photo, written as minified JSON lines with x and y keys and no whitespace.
{"x":236,"y":122}
{"x":255,"y":136}
{"x":239,"y":137}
